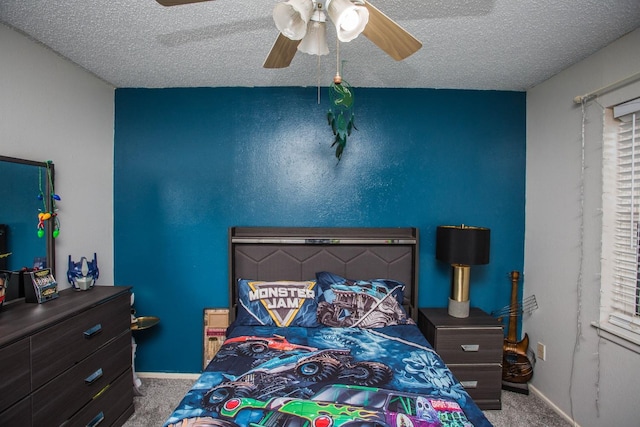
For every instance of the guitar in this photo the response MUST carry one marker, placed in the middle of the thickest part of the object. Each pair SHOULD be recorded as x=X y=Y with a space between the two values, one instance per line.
x=516 y=366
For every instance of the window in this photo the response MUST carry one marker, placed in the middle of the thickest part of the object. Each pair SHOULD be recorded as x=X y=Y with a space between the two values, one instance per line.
x=621 y=222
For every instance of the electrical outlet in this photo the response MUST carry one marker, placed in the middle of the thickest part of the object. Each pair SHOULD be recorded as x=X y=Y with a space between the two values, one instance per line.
x=542 y=351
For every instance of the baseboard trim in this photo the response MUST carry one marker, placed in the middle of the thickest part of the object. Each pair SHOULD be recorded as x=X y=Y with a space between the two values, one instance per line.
x=553 y=406
x=168 y=375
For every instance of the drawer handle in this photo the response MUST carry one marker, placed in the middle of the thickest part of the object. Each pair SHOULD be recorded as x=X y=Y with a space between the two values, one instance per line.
x=469 y=384
x=93 y=377
x=96 y=420
x=470 y=347
x=93 y=331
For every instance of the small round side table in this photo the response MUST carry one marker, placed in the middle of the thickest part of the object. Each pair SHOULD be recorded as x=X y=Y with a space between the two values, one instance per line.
x=139 y=324
x=144 y=322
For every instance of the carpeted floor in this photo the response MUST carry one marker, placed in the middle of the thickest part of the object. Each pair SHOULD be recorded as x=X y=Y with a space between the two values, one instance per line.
x=520 y=410
x=161 y=396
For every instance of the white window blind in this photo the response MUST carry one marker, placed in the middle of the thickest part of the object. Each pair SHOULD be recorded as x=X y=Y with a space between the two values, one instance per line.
x=625 y=289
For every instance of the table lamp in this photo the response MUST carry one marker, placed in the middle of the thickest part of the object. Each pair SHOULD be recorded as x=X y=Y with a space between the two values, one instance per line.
x=461 y=246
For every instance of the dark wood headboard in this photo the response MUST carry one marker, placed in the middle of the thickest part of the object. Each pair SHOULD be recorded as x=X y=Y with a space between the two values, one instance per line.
x=297 y=253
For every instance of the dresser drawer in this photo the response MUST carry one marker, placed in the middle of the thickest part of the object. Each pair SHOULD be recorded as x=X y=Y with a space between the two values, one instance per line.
x=482 y=382
x=15 y=376
x=18 y=414
x=63 y=396
x=111 y=408
x=469 y=345
x=61 y=346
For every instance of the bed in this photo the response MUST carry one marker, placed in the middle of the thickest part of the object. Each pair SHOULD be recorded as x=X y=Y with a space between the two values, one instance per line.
x=324 y=335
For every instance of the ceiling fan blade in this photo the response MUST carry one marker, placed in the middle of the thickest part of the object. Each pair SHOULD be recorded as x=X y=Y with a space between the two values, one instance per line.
x=282 y=52
x=178 y=2
x=389 y=36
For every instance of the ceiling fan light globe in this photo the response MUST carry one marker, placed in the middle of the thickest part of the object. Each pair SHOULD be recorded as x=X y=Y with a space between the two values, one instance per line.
x=315 y=42
x=349 y=19
x=291 y=17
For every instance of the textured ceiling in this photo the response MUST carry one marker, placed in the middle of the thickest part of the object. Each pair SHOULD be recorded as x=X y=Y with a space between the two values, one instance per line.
x=467 y=44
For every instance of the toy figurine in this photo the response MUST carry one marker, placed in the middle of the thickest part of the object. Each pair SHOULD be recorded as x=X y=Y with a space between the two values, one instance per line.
x=83 y=274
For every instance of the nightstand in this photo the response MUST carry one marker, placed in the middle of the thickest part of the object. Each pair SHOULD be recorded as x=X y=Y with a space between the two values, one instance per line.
x=471 y=347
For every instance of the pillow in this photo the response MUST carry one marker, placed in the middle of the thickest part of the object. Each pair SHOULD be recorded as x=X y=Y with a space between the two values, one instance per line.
x=396 y=288
x=279 y=303
x=364 y=303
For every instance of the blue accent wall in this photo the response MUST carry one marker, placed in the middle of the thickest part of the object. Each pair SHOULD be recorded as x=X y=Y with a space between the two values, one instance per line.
x=190 y=163
x=19 y=208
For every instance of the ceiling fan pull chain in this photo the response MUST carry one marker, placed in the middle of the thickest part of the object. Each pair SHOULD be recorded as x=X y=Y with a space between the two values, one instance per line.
x=318 y=76
x=337 y=79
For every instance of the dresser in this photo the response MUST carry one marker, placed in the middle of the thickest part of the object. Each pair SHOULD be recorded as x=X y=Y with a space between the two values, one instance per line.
x=67 y=361
x=471 y=347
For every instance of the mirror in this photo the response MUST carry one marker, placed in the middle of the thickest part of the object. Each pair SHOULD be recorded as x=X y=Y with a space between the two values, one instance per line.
x=25 y=190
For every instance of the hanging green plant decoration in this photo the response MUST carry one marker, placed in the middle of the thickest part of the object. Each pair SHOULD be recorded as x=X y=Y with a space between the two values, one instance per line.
x=340 y=116
x=45 y=214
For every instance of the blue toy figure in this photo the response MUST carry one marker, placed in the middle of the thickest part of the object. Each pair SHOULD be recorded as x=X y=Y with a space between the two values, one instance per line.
x=83 y=274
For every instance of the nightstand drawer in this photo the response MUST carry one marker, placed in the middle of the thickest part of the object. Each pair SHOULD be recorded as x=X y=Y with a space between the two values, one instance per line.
x=482 y=382
x=482 y=345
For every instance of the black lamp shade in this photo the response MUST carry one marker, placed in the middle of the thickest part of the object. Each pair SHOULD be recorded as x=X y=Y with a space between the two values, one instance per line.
x=463 y=244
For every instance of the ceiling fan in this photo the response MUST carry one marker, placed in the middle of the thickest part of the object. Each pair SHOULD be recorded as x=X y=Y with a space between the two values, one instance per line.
x=302 y=26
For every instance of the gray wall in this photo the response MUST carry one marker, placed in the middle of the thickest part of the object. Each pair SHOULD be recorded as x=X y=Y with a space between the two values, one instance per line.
x=562 y=243
x=52 y=109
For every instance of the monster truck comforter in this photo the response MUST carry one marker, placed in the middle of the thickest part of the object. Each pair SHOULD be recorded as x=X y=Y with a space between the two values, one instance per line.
x=326 y=377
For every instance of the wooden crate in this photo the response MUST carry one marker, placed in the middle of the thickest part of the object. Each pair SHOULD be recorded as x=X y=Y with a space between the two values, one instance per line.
x=216 y=321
